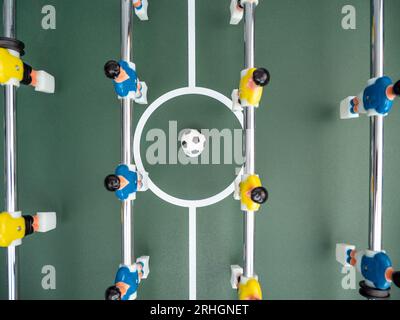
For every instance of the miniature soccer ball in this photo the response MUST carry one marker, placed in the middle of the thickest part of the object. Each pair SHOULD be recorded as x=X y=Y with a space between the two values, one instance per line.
x=193 y=143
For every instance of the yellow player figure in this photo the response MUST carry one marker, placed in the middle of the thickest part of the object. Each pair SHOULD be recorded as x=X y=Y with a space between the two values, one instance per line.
x=249 y=289
x=252 y=193
x=251 y=87
x=11 y=67
x=14 y=227
x=14 y=71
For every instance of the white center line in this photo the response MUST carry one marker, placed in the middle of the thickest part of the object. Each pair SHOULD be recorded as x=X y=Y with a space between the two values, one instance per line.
x=192 y=254
x=192 y=43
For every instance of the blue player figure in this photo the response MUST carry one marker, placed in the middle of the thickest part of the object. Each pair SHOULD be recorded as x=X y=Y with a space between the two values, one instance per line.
x=128 y=279
x=126 y=182
x=376 y=99
x=375 y=267
x=126 y=82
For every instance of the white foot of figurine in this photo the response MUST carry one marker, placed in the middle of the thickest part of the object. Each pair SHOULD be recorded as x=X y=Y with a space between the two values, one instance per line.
x=45 y=82
x=47 y=221
x=144 y=179
x=146 y=268
x=236 y=193
x=236 y=12
x=236 y=106
x=345 y=109
x=142 y=97
x=142 y=12
x=342 y=250
x=236 y=273
x=133 y=296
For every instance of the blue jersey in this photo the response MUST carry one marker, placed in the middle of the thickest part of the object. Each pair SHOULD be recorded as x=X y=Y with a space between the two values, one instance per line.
x=130 y=84
x=374 y=269
x=131 y=278
x=131 y=177
x=375 y=96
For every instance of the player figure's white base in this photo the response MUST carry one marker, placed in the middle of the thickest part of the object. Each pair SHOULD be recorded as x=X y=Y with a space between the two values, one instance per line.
x=236 y=105
x=144 y=179
x=47 y=221
x=133 y=296
x=345 y=109
x=236 y=193
x=236 y=274
x=342 y=253
x=141 y=96
x=13 y=82
x=142 y=12
x=146 y=267
x=45 y=82
x=236 y=12
x=243 y=279
x=132 y=197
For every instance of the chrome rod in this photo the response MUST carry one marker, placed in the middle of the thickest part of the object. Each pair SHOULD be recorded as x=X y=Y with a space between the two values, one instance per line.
x=376 y=130
x=126 y=132
x=249 y=145
x=10 y=152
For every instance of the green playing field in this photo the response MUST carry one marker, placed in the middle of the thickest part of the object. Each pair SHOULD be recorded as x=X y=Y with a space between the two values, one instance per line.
x=314 y=165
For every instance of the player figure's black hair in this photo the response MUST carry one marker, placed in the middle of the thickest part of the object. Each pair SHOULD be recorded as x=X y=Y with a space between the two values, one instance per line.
x=112 y=182
x=261 y=77
x=112 y=69
x=396 y=278
x=396 y=88
x=259 y=195
x=113 y=293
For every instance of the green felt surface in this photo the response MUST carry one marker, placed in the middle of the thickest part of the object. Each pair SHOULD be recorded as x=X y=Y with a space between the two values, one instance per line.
x=314 y=165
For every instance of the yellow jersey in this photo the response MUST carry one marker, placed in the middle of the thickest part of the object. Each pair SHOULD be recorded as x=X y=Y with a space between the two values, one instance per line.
x=11 y=67
x=246 y=186
x=11 y=229
x=249 y=93
x=251 y=290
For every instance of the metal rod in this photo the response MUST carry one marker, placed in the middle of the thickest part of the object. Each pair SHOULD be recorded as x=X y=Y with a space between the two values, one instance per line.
x=249 y=146
x=376 y=130
x=126 y=139
x=10 y=152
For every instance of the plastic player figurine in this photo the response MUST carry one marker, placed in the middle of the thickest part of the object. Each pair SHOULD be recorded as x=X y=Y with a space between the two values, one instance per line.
x=249 y=289
x=237 y=9
x=14 y=71
x=126 y=283
x=141 y=7
x=375 y=267
x=126 y=182
x=126 y=82
x=251 y=88
x=376 y=99
x=127 y=280
x=14 y=227
x=251 y=193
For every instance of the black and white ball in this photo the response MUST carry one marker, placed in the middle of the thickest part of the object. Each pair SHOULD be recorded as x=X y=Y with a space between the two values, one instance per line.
x=193 y=142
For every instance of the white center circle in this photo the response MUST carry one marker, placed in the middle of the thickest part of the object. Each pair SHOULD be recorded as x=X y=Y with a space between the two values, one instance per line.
x=138 y=135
